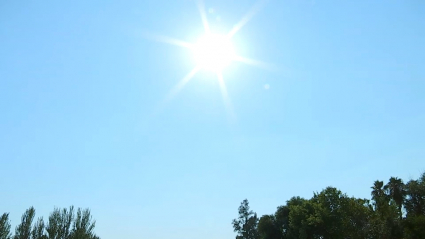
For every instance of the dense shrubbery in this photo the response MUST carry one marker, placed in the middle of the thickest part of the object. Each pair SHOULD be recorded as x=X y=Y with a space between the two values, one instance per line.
x=396 y=210
x=62 y=224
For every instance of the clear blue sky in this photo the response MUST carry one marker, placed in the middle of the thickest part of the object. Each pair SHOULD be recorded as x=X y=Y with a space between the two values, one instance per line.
x=81 y=120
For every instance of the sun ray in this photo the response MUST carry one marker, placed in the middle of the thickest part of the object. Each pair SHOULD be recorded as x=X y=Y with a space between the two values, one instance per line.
x=226 y=98
x=257 y=63
x=168 y=40
x=247 y=17
x=181 y=84
x=176 y=89
x=213 y=52
x=203 y=13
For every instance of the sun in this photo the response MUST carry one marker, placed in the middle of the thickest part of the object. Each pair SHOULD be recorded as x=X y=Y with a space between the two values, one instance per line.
x=213 y=52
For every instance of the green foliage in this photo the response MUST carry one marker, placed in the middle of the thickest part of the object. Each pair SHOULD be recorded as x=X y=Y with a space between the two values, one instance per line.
x=247 y=222
x=396 y=190
x=5 y=226
x=59 y=223
x=83 y=226
x=332 y=214
x=414 y=222
x=58 y=226
x=268 y=228
x=38 y=230
x=415 y=227
x=415 y=202
x=23 y=230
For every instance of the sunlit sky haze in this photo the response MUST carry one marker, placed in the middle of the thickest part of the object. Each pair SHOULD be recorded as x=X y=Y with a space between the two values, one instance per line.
x=92 y=113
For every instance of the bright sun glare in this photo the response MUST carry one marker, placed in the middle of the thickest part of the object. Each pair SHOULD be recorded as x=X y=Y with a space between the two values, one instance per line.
x=213 y=52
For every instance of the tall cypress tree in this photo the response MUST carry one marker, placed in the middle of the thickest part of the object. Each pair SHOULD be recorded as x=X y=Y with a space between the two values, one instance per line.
x=5 y=227
x=23 y=230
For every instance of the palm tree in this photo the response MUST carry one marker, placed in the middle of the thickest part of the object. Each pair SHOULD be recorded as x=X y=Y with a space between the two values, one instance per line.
x=377 y=191
x=396 y=190
x=378 y=194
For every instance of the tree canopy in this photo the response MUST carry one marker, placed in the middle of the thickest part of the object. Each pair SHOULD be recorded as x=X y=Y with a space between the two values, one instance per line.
x=61 y=224
x=396 y=211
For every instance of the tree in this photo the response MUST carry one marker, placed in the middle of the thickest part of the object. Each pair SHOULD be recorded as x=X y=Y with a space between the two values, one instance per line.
x=385 y=221
x=359 y=213
x=5 y=227
x=332 y=213
x=59 y=223
x=247 y=223
x=302 y=220
x=83 y=226
x=414 y=227
x=268 y=228
x=57 y=227
x=396 y=190
x=38 y=230
x=23 y=230
x=415 y=201
x=282 y=219
x=414 y=222
x=378 y=195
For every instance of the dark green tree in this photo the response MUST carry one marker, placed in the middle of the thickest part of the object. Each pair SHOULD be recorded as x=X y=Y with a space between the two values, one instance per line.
x=5 y=226
x=414 y=222
x=38 y=230
x=282 y=216
x=23 y=230
x=282 y=219
x=395 y=188
x=332 y=214
x=246 y=225
x=358 y=213
x=414 y=227
x=59 y=224
x=268 y=228
x=378 y=195
x=303 y=220
x=415 y=202
x=385 y=221
x=83 y=226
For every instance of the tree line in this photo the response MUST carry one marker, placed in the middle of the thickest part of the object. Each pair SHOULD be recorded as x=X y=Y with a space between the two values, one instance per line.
x=396 y=211
x=62 y=224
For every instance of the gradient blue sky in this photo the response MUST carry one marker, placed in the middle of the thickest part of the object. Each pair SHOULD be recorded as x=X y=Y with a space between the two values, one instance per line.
x=82 y=123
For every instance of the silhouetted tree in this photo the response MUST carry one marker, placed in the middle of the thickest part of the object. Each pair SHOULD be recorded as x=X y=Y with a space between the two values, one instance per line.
x=332 y=214
x=247 y=222
x=59 y=223
x=378 y=195
x=38 y=230
x=5 y=226
x=268 y=228
x=23 y=230
x=58 y=226
x=414 y=223
x=397 y=192
x=83 y=226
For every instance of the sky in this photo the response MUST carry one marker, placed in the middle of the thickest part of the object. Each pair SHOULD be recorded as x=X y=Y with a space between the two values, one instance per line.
x=87 y=118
